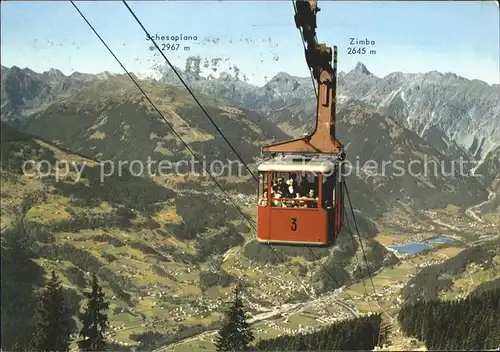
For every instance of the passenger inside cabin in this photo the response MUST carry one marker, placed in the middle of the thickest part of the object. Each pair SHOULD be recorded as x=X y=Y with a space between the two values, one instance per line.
x=292 y=186
x=301 y=202
x=298 y=191
x=304 y=185
x=263 y=198
x=279 y=187
x=315 y=183
x=313 y=201
x=276 y=202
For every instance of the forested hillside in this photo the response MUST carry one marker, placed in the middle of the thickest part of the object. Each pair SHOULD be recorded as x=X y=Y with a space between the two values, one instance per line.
x=433 y=280
x=356 y=334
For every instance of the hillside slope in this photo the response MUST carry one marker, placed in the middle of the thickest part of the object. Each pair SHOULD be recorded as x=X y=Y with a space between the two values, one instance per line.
x=481 y=261
x=110 y=120
x=394 y=165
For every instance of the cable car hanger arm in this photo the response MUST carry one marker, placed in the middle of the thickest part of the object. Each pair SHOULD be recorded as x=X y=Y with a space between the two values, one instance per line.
x=319 y=58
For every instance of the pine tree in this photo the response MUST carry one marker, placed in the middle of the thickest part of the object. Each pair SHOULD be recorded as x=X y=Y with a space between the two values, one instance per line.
x=94 y=320
x=20 y=275
x=54 y=325
x=17 y=347
x=235 y=334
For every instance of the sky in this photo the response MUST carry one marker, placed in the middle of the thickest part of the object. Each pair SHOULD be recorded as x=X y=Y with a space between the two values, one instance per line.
x=259 y=37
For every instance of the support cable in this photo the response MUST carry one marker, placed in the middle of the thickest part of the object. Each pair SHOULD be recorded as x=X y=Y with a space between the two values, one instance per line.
x=208 y=116
x=189 y=90
x=356 y=254
x=359 y=236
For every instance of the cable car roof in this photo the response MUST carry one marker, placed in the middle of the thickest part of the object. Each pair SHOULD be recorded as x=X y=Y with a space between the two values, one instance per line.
x=290 y=163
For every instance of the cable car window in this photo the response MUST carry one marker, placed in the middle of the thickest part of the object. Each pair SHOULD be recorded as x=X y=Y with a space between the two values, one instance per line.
x=294 y=190
x=263 y=192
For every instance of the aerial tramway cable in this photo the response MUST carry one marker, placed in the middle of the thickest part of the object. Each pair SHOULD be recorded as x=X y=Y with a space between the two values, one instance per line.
x=182 y=141
x=359 y=236
x=156 y=109
x=222 y=134
x=187 y=146
x=189 y=90
x=227 y=141
x=215 y=125
x=355 y=253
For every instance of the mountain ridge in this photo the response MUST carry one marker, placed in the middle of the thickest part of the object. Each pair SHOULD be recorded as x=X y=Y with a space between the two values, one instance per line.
x=110 y=120
x=104 y=95
x=480 y=134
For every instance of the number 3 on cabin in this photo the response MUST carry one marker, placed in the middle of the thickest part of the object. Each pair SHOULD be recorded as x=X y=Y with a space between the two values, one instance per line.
x=294 y=224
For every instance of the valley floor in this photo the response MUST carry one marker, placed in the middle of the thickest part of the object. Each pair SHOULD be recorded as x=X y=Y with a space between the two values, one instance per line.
x=157 y=270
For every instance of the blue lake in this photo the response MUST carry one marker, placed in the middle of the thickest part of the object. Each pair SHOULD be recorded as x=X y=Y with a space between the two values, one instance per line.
x=411 y=247
x=441 y=240
x=420 y=247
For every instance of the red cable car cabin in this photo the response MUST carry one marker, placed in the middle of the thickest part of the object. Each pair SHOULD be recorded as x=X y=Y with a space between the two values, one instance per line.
x=314 y=214
x=300 y=202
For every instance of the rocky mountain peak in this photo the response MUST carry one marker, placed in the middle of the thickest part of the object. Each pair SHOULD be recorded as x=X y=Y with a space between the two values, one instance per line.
x=54 y=73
